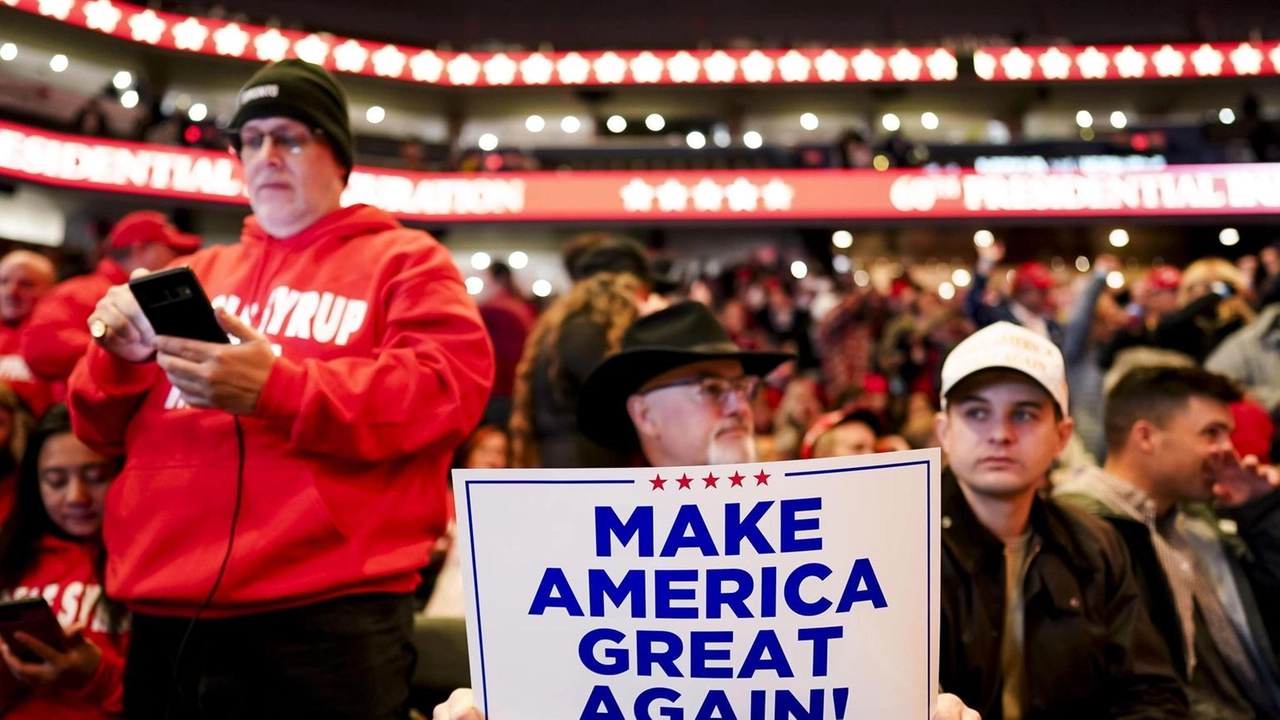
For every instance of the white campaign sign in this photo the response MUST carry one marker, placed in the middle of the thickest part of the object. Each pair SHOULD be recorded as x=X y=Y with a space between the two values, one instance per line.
x=803 y=590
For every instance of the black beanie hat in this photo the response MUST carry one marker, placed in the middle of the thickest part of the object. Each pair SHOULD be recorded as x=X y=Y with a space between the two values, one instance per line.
x=300 y=91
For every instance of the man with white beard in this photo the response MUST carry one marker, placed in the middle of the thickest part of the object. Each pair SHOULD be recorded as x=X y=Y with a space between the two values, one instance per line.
x=678 y=393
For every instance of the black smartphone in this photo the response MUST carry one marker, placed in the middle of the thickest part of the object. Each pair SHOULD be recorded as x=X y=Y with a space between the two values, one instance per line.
x=34 y=617
x=177 y=306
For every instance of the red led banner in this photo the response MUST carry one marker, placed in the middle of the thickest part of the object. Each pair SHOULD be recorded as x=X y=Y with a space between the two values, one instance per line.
x=654 y=196
x=1128 y=62
x=401 y=62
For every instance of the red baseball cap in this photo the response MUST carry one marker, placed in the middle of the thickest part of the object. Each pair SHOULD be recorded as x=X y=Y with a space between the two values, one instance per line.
x=874 y=383
x=1254 y=430
x=147 y=226
x=1165 y=277
x=1033 y=275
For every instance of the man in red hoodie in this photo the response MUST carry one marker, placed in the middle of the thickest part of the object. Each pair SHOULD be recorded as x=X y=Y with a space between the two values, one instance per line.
x=58 y=335
x=25 y=277
x=321 y=437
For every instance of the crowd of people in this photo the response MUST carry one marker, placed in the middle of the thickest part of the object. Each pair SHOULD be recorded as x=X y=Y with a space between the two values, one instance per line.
x=248 y=529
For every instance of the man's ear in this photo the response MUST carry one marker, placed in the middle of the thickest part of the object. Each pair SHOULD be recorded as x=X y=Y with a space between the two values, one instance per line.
x=941 y=423
x=1143 y=436
x=1066 y=426
x=638 y=409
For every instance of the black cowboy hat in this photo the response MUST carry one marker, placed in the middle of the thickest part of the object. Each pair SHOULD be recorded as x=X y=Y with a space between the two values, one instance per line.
x=682 y=334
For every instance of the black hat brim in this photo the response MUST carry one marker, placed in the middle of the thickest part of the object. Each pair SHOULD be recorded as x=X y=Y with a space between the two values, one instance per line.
x=602 y=400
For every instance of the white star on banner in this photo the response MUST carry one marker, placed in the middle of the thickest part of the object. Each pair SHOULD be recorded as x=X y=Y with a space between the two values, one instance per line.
x=231 y=41
x=100 y=15
x=500 y=70
x=683 y=67
x=868 y=66
x=1092 y=63
x=707 y=195
x=905 y=65
x=943 y=65
x=1207 y=60
x=1168 y=61
x=1247 y=59
x=312 y=48
x=573 y=69
x=190 y=34
x=1055 y=64
x=984 y=64
x=637 y=196
x=536 y=69
x=720 y=68
x=611 y=68
x=777 y=195
x=426 y=66
x=832 y=66
x=794 y=67
x=389 y=61
x=647 y=68
x=59 y=9
x=463 y=69
x=757 y=67
x=1275 y=58
x=271 y=45
x=147 y=27
x=10 y=3
x=350 y=56
x=1131 y=63
x=673 y=196
x=742 y=196
x=1017 y=64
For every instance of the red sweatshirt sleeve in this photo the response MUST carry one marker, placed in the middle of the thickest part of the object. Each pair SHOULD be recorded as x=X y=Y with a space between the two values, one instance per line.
x=103 y=393
x=55 y=337
x=427 y=384
x=106 y=687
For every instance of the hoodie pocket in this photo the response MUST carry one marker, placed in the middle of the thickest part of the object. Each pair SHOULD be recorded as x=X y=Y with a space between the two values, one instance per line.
x=167 y=531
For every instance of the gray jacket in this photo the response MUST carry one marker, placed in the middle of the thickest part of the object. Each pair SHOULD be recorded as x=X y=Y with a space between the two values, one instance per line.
x=1251 y=355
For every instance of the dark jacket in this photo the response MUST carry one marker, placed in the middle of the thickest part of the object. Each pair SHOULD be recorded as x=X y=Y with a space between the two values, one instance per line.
x=1091 y=651
x=983 y=314
x=1253 y=551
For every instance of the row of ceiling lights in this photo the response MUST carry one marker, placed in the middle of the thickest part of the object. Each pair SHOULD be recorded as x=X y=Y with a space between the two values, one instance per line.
x=655 y=122
x=517 y=260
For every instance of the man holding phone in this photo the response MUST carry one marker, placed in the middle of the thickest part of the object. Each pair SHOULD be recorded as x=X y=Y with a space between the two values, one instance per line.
x=320 y=436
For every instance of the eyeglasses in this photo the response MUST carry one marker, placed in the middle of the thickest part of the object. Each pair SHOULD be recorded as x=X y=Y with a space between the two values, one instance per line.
x=248 y=144
x=717 y=389
x=56 y=478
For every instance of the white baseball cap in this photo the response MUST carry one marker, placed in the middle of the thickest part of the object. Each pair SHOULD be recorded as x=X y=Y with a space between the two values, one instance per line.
x=1007 y=346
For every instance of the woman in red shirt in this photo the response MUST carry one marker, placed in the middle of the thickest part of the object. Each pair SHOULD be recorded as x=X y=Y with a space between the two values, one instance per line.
x=51 y=547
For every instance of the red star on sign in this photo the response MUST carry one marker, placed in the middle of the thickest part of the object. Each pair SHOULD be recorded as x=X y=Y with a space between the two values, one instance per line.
x=710 y=480
x=658 y=483
x=684 y=481
x=761 y=479
x=736 y=478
